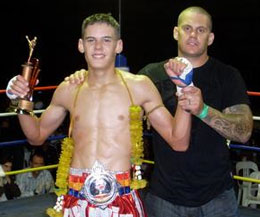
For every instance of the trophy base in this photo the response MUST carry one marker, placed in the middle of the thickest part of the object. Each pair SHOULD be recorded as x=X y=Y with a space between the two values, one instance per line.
x=23 y=112
x=24 y=107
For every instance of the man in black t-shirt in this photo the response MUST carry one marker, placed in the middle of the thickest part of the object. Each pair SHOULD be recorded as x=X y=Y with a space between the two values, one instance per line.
x=198 y=182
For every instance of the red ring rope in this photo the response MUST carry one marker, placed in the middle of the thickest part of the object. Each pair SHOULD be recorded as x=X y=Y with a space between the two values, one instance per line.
x=250 y=93
x=38 y=88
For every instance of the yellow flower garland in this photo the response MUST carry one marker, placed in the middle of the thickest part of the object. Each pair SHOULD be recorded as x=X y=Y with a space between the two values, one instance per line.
x=136 y=132
x=53 y=213
x=63 y=172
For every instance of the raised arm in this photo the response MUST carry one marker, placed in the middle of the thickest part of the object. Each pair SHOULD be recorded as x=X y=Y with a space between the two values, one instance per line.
x=234 y=123
x=175 y=130
x=37 y=129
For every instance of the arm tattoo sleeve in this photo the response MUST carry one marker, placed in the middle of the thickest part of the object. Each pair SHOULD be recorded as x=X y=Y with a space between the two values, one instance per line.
x=234 y=123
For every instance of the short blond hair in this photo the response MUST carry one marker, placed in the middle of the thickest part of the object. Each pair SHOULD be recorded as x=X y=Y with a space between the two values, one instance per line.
x=101 y=18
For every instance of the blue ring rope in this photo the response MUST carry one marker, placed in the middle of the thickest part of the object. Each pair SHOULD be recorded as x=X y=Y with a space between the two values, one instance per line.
x=24 y=141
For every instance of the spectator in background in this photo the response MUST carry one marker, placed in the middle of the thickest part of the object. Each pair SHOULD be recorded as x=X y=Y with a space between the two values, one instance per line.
x=52 y=150
x=37 y=182
x=8 y=188
x=9 y=130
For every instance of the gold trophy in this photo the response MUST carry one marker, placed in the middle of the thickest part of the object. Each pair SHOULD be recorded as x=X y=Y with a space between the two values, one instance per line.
x=30 y=71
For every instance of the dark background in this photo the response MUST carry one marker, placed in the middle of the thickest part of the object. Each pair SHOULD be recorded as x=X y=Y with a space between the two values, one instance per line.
x=146 y=32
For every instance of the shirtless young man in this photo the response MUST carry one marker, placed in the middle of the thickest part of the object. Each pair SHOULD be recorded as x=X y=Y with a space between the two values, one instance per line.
x=99 y=111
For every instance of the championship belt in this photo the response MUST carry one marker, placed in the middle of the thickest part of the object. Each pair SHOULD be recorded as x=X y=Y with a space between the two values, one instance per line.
x=100 y=186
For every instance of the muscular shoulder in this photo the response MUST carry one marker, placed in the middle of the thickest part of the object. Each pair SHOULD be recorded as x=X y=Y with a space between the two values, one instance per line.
x=64 y=93
x=136 y=80
x=66 y=87
x=141 y=87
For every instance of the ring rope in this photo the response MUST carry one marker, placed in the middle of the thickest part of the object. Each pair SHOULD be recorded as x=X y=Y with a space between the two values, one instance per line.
x=7 y=114
x=37 y=88
x=31 y=169
x=244 y=147
x=247 y=179
x=23 y=141
x=253 y=93
x=250 y=93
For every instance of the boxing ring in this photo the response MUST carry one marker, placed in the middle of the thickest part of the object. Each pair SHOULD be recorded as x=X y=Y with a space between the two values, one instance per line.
x=36 y=206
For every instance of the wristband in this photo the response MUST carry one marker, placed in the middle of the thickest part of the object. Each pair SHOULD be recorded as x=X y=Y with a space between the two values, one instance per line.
x=8 y=94
x=179 y=89
x=204 y=112
x=186 y=76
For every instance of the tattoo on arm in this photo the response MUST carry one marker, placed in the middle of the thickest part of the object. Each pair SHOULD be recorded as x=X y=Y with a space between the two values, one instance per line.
x=234 y=123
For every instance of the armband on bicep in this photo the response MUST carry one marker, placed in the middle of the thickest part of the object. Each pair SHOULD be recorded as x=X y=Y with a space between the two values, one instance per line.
x=146 y=117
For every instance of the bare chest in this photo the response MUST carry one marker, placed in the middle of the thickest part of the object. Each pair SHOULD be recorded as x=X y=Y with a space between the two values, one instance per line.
x=106 y=107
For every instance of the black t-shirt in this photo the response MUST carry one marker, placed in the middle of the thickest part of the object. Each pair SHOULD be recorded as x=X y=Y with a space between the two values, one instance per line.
x=194 y=177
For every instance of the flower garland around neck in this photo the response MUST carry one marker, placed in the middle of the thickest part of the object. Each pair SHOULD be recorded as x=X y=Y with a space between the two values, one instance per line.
x=136 y=134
